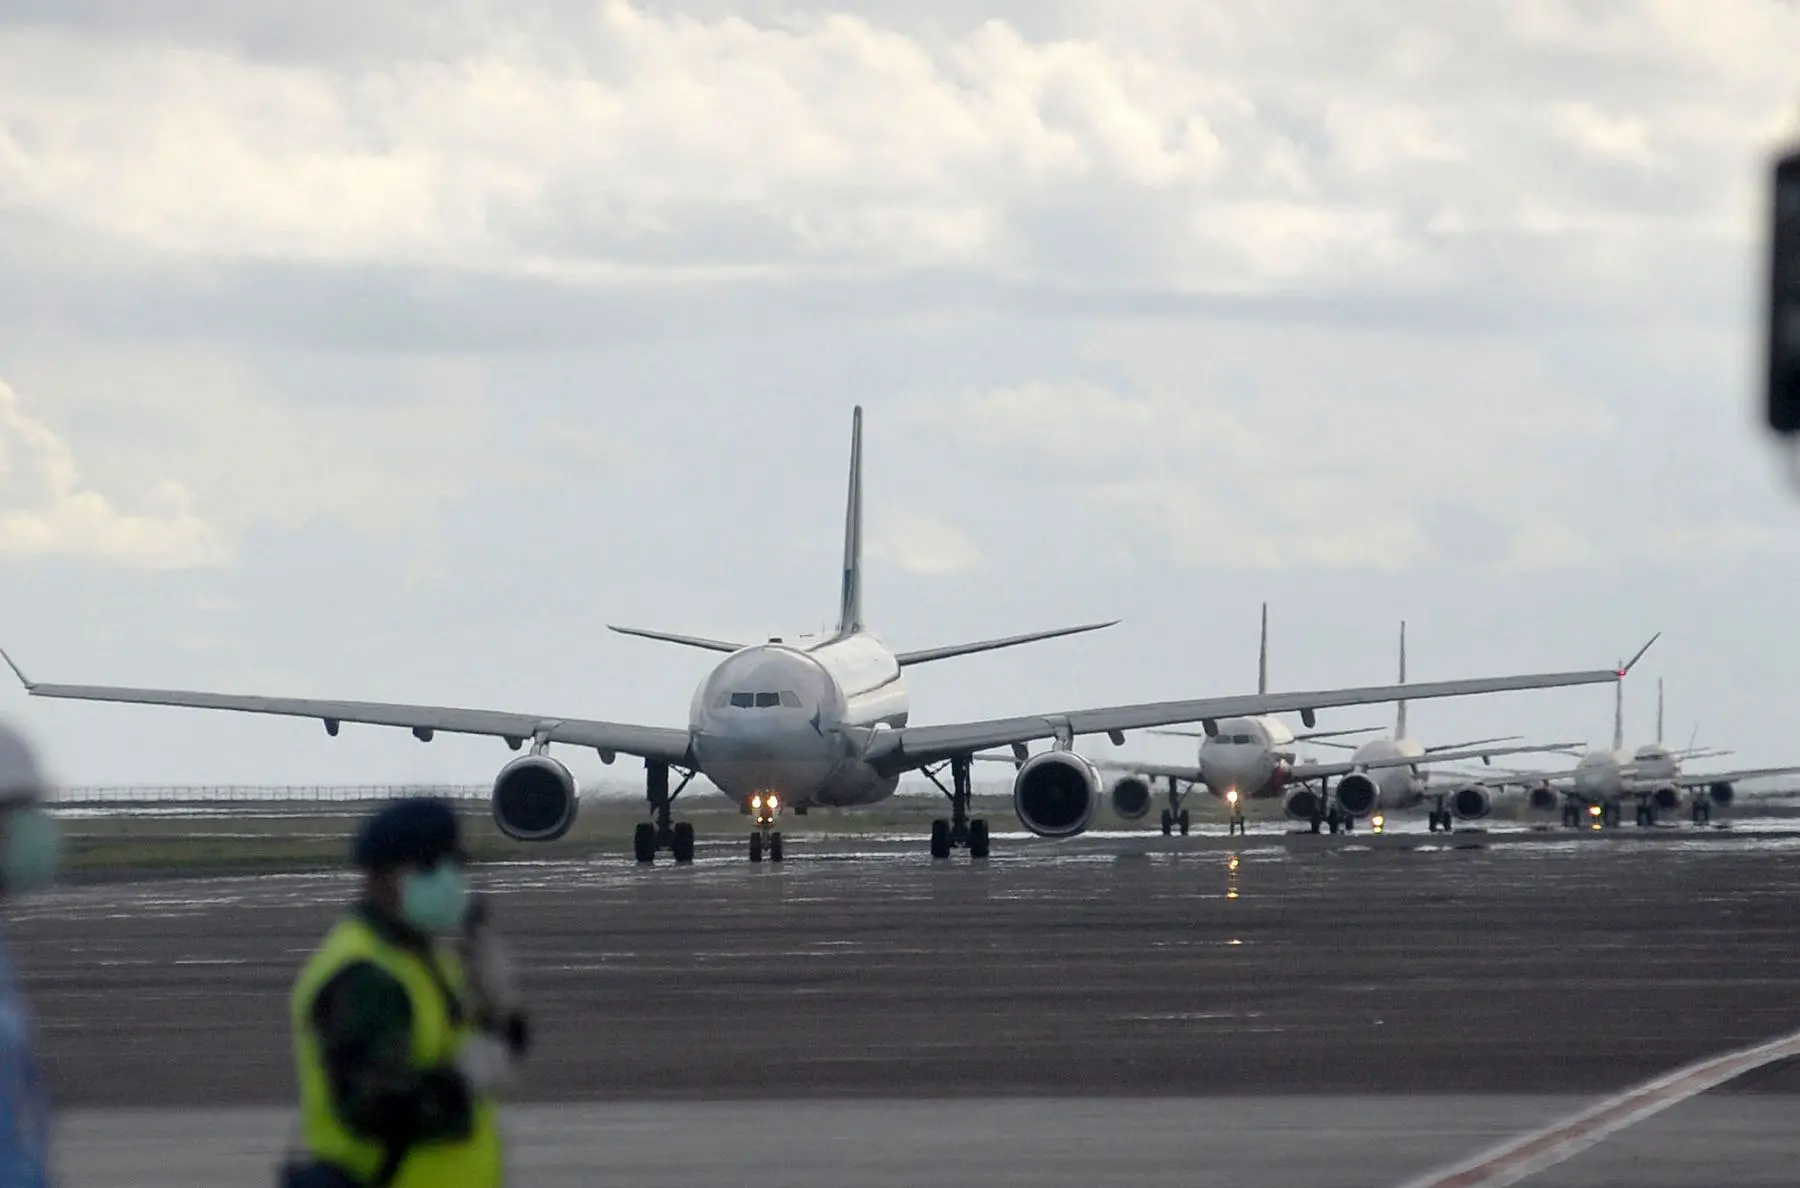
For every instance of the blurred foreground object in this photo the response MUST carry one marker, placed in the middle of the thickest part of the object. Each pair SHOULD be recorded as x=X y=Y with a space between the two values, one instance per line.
x=1784 y=297
x=29 y=848
x=399 y=1042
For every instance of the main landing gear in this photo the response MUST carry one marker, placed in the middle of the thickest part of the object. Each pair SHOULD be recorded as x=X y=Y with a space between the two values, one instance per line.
x=767 y=838
x=664 y=833
x=1702 y=812
x=1440 y=818
x=959 y=831
x=1646 y=814
x=1175 y=816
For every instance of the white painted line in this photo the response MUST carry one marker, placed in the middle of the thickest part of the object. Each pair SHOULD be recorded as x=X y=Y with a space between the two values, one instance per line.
x=1518 y=1158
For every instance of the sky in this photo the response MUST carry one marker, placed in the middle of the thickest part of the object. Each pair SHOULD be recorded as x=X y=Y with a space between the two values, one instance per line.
x=392 y=349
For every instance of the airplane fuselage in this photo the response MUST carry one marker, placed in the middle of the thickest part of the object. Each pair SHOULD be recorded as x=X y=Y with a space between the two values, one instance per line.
x=1396 y=787
x=787 y=718
x=1251 y=756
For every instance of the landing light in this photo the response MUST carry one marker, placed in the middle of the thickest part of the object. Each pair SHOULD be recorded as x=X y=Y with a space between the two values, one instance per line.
x=773 y=802
x=1231 y=796
x=1593 y=810
x=1378 y=822
x=756 y=801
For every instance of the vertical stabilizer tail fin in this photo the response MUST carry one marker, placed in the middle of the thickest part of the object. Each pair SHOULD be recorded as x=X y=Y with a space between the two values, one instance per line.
x=1262 y=655
x=1619 y=716
x=1400 y=706
x=850 y=619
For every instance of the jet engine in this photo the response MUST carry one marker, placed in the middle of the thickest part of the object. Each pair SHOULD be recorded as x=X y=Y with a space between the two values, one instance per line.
x=1721 y=792
x=1544 y=798
x=1357 y=794
x=1667 y=798
x=1470 y=802
x=1056 y=793
x=1302 y=804
x=534 y=799
x=1131 y=797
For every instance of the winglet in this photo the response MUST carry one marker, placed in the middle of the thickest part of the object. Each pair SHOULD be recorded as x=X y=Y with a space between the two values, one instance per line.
x=1625 y=668
x=18 y=672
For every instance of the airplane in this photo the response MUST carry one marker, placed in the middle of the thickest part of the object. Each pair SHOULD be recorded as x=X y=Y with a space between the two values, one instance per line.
x=811 y=721
x=1602 y=780
x=1249 y=759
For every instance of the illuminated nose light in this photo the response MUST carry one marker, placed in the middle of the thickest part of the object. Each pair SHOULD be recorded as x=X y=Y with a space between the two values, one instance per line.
x=773 y=802
x=756 y=801
x=1593 y=810
x=1378 y=822
x=1231 y=797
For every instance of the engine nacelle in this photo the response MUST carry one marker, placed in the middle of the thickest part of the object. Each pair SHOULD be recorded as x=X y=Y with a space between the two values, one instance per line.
x=1056 y=793
x=1470 y=802
x=1357 y=794
x=1667 y=798
x=1721 y=792
x=1131 y=797
x=535 y=799
x=1544 y=799
x=1303 y=804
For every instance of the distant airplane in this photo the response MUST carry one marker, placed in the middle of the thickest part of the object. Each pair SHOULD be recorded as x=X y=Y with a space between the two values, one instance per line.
x=1251 y=758
x=1595 y=790
x=815 y=720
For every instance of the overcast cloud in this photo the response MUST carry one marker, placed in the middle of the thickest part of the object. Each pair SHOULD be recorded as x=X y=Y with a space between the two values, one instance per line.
x=392 y=349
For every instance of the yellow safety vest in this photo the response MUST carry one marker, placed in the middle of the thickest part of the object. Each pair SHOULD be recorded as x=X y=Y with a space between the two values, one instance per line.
x=473 y=1162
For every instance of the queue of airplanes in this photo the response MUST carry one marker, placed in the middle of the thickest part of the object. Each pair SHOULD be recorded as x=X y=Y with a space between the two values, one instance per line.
x=792 y=723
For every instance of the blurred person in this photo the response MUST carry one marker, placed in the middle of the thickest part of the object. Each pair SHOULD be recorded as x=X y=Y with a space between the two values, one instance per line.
x=406 y=1020
x=30 y=850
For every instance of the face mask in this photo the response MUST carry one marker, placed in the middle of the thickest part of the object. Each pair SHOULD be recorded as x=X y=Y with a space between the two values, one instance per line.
x=435 y=900
x=32 y=850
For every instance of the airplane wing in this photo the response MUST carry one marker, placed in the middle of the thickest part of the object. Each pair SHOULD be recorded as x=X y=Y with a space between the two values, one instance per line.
x=1313 y=771
x=944 y=652
x=1731 y=777
x=609 y=738
x=903 y=748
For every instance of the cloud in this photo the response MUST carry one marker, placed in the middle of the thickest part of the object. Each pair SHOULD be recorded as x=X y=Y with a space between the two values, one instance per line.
x=922 y=544
x=1192 y=148
x=46 y=510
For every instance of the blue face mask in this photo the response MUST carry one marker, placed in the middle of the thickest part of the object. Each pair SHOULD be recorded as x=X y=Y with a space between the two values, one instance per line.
x=31 y=851
x=436 y=900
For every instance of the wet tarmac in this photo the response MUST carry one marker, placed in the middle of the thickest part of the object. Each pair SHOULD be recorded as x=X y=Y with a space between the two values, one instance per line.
x=1406 y=999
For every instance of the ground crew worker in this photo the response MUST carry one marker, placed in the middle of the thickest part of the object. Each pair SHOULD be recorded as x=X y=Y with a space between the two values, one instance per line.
x=30 y=847
x=405 y=1023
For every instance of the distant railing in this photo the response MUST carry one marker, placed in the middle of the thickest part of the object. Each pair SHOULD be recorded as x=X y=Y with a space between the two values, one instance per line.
x=101 y=795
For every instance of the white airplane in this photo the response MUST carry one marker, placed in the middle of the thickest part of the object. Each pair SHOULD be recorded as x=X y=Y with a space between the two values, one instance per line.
x=1250 y=758
x=804 y=722
x=1595 y=790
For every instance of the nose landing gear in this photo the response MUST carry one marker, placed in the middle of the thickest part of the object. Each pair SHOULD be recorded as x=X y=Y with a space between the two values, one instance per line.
x=767 y=838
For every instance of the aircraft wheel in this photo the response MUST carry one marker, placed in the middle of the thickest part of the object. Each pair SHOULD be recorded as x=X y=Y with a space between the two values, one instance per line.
x=1183 y=821
x=774 y=847
x=1168 y=822
x=756 y=847
x=684 y=842
x=978 y=838
x=643 y=842
x=940 y=838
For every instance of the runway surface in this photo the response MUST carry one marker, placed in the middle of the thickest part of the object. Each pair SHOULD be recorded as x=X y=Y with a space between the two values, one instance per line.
x=1274 y=997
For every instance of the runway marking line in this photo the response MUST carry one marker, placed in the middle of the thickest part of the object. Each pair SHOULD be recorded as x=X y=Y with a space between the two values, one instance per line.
x=1529 y=1154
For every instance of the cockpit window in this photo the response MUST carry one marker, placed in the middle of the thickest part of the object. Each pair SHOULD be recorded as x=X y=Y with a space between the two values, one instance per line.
x=759 y=700
x=1242 y=739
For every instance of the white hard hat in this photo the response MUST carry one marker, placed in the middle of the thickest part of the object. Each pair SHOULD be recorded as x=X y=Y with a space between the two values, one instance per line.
x=20 y=776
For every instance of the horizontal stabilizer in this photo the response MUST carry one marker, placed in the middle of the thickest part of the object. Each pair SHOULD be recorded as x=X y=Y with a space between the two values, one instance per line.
x=686 y=641
x=926 y=655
